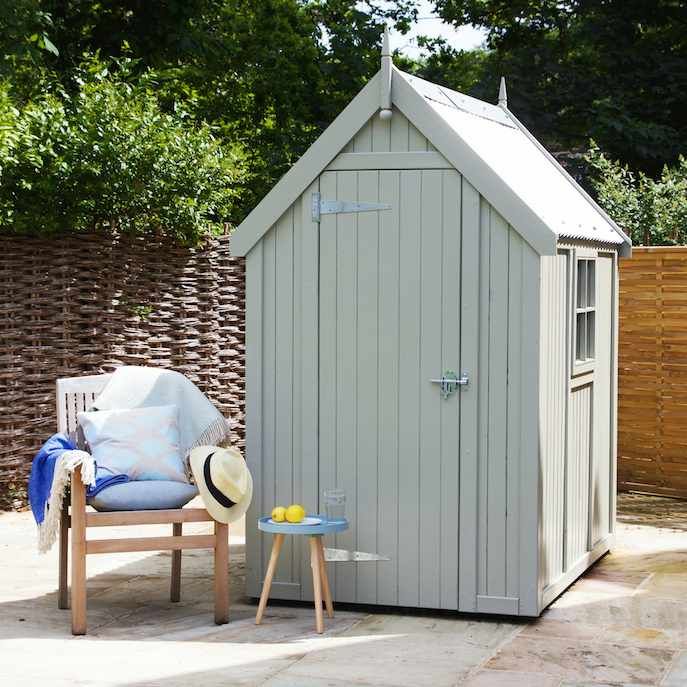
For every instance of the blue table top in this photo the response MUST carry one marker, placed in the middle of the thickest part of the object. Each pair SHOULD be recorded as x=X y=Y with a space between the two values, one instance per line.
x=326 y=526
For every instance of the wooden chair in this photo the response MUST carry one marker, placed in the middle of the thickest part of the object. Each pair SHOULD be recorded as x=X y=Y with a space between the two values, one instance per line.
x=73 y=396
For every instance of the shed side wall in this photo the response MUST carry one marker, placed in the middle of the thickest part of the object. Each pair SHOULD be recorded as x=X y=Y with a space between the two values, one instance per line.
x=577 y=422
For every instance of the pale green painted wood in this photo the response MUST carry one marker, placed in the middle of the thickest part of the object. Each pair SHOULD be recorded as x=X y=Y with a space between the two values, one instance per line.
x=498 y=398
x=368 y=389
x=284 y=381
x=429 y=474
x=515 y=334
x=346 y=383
x=398 y=131
x=327 y=350
x=409 y=388
x=362 y=141
x=306 y=358
x=388 y=381
x=603 y=383
x=448 y=141
x=381 y=134
x=482 y=381
x=389 y=160
x=359 y=309
x=269 y=363
x=530 y=516
x=554 y=366
x=308 y=168
x=416 y=141
x=449 y=490
x=578 y=474
x=254 y=435
x=469 y=410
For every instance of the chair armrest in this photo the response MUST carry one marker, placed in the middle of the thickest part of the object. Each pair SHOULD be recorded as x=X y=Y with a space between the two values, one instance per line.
x=78 y=490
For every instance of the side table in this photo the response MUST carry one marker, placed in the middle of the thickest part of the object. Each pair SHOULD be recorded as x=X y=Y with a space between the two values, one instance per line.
x=320 y=581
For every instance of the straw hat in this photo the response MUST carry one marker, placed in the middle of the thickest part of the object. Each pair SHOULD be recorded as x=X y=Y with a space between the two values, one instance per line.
x=224 y=482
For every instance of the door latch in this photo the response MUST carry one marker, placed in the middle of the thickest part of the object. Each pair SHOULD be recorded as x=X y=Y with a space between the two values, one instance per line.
x=450 y=382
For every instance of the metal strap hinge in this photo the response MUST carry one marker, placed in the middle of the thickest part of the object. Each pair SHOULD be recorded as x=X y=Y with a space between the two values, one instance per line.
x=332 y=207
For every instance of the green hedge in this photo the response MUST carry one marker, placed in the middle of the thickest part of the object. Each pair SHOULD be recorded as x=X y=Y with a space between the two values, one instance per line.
x=652 y=211
x=106 y=155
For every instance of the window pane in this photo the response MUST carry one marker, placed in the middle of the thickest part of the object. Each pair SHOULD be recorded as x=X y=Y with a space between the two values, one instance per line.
x=590 y=284
x=581 y=336
x=590 y=334
x=581 y=283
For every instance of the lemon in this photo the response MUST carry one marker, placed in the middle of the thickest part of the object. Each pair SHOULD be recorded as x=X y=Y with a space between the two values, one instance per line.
x=279 y=514
x=295 y=513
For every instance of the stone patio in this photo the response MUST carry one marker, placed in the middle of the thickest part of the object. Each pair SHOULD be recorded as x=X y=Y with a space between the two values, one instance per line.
x=623 y=623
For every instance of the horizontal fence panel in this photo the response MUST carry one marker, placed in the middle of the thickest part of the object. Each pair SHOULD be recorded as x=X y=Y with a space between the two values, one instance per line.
x=83 y=304
x=652 y=380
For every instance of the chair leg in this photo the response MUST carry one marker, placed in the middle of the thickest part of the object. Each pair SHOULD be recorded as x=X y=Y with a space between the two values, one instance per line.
x=221 y=573
x=175 y=587
x=267 y=584
x=63 y=588
x=78 y=515
x=316 y=583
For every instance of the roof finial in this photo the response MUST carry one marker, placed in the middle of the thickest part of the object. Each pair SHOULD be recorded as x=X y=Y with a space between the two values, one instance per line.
x=385 y=83
x=503 y=95
x=385 y=42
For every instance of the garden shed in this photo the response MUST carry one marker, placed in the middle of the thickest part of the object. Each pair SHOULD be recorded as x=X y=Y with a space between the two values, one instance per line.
x=431 y=325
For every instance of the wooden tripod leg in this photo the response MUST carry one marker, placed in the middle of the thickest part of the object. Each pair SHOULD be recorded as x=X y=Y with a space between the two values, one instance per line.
x=316 y=582
x=271 y=567
x=63 y=587
x=175 y=585
x=221 y=573
x=325 y=580
x=78 y=514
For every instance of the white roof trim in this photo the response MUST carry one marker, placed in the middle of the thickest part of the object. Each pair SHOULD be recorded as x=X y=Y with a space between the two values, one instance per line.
x=308 y=168
x=454 y=148
x=626 y=246
x=446 y=139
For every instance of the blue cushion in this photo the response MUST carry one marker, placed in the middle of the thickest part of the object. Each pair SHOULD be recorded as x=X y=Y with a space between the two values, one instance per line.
x=144 y=495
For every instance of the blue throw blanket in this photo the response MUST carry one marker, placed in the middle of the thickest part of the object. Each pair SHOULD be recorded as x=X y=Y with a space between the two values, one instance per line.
x=43 y=470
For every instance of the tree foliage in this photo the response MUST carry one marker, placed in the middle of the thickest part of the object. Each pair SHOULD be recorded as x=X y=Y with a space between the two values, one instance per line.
x=268 y=76
x=104 y=154
x=652 y=211
x=614 y=70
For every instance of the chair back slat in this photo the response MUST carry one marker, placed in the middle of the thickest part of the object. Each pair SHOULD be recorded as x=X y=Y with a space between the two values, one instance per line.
x=74 y=395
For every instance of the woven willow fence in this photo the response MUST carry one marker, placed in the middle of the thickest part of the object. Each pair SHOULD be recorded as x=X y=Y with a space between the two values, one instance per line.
x=652 y=381
x=85 y=304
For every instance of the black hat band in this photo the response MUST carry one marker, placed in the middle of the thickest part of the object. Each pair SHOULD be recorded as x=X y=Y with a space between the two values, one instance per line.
x=214 y=491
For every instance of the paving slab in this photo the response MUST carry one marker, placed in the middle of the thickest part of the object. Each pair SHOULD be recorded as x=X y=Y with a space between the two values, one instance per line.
x=623 y=623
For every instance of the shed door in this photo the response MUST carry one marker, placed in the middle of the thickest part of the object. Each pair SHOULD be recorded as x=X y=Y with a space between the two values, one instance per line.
x=389 y=321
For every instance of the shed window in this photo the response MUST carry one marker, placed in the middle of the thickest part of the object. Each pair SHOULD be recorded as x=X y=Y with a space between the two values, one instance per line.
x=585 y=310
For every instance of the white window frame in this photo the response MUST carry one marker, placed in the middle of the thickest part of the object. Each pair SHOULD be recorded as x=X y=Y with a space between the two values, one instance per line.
x=583 y=310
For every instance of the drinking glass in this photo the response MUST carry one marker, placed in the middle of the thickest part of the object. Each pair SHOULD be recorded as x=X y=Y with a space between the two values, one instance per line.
x=335 y=504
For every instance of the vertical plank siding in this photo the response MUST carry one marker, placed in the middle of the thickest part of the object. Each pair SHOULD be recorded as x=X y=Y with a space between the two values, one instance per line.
x=577 y=423
x=480 y=502
x=281 y=332
x=652 y=395
x=554 y=366
x=577 y=474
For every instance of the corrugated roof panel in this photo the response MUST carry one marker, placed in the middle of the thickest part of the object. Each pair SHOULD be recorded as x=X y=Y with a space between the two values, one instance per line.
x=516 y=159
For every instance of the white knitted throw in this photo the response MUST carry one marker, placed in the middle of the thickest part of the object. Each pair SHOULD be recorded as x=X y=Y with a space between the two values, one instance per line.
x=66 y=464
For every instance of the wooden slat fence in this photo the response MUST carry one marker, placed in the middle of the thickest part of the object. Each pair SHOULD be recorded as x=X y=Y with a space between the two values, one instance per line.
x=82 y=304
x=652 y=404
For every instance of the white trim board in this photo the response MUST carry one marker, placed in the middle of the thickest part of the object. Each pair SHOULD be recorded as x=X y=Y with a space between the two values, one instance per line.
x=309 y=167
x=406 y=160
x=452 y=150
